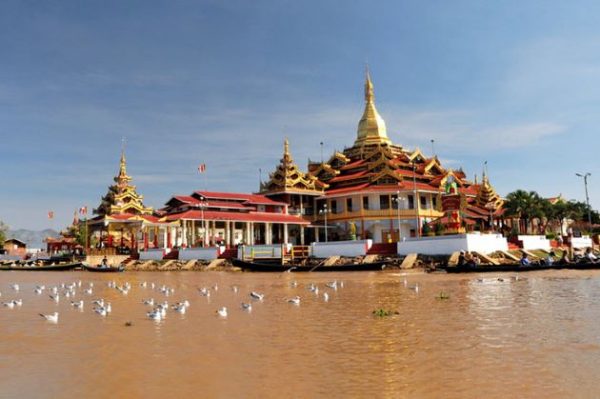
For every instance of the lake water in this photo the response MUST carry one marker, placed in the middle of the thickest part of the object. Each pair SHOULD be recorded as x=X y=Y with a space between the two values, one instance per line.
x=535 y=336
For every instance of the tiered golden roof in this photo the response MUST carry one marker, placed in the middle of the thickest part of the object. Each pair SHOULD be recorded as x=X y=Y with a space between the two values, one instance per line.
x=122 y=197
x=487 y=196
x=287 y=177
x=371 y=127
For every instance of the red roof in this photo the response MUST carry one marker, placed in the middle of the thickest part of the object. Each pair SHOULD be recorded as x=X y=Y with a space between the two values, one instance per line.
x=350 y=176
x=238 y=216
x=257 y=199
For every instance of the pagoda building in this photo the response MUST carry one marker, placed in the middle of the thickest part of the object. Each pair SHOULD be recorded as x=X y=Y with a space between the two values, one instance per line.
x=377 y=189
x=290 y=185
x=207 y=218
x=123 y=223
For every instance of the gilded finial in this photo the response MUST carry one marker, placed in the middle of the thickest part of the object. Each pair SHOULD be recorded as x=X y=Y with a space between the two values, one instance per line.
x=371 y=127
x=369 y=91
x=286 y=147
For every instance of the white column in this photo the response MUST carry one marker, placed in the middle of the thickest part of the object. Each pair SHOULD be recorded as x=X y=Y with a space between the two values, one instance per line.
x=285 y=233
x=252 y=240
x=301 y=234
x=227 y=232
x=268 y=234
x=184 y=233
x=164 y=237
x=193 y=232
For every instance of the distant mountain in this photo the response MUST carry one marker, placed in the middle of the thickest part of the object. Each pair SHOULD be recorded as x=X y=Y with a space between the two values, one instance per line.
x=33 y=239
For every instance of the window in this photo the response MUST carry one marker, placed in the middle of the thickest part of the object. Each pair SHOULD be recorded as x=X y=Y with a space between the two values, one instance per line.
x=423 y=201
x=334 y=206
x=384 y=202
x=411 y=202
x=348 y=204
x=434 y=202
x=365 y=203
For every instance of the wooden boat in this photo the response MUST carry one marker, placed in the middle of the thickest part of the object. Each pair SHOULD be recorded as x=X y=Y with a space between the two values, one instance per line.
x=98 y=269
x=516 y=267
x=266 y=266
x=34 y=268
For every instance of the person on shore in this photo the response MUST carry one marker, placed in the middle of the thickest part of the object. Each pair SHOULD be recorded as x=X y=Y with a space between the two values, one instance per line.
x=525 y=260
x=461 y=259
x=589 y=256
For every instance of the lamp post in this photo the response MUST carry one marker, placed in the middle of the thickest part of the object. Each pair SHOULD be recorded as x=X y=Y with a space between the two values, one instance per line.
x=416 y=200
x=398 y=200
x=324 y=212
x=587 y=197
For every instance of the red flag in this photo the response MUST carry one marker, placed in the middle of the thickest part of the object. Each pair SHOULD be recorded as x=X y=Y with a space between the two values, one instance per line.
x=202 y=168
x=51 y=215
x=83 y=210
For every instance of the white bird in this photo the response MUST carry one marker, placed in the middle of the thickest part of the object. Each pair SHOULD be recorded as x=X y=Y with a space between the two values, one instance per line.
x=37 y=291
x=108 y=307
x=235 y=288
x=332 y=285
x=15 y=287
x=55 y=297
x=143 y=285
x=325 y=297
x=88 y=291
x=154 y=315
x=149 y=302
x=54 y=290
x=293 y=284
x=180 y=308
x=257 y=295
x=247 y=306
x=222 y=312
x=78 y=304
x=99 y=302
x=52 y=318
x=295 y=300
x=215 y=287
x=204 y=291
x=40 y=287
x=101 y=311
x=9 y=305
x=18 y=302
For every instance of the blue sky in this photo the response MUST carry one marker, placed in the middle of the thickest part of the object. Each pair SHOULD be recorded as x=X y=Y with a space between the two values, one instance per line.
x=223 y=82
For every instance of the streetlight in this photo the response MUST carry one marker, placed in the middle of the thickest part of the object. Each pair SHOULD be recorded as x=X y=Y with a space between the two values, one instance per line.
x=416 y=200
x=324 y=212
x=398 y=200
x=587 y=197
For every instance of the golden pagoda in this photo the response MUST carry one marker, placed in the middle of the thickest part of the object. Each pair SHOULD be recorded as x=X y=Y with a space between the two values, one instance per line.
x=122 y=197
x=486 y=195
x=371 y=127
x=287 y=177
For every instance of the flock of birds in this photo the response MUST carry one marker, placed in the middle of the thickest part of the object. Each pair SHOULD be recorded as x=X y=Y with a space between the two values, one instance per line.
x=156 y=309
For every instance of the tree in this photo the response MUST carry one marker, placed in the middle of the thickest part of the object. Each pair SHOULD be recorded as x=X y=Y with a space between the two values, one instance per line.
x=3 y=231
x=526 y=206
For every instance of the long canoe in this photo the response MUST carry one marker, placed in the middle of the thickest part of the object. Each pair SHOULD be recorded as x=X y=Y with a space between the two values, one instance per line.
x=516 y=267
x=278 y=267
x=97 y=269
x=55 y=268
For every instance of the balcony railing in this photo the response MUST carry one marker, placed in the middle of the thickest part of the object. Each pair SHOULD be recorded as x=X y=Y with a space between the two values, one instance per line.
x=381 y=213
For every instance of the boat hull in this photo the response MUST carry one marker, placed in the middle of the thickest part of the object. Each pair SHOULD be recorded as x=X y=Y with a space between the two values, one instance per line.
x=48 y=268
x=96 y=269
x=519 y=268
x=278 y=267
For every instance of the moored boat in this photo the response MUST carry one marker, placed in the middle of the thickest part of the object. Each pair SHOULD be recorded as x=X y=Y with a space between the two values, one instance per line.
x=98 y=269
x=266 y=266
x=34 y=268
x=516 y=267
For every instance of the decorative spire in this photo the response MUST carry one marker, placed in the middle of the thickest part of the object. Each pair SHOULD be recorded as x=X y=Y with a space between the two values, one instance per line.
x=371 y=128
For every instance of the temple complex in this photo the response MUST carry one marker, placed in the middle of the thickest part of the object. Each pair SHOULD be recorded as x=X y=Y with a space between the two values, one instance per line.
x=377 y=189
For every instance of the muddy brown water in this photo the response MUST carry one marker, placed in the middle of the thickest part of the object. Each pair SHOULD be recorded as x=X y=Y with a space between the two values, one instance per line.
x=535 y=336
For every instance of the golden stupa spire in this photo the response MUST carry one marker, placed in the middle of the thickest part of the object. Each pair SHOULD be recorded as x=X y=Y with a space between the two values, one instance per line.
x=371 y=128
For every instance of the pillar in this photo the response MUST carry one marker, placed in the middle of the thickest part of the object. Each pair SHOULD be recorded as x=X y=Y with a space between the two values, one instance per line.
x=184 y=234
x=268 y=234
x=301 y=234
x=227 y=232
x=285 y=233
x=193 y=243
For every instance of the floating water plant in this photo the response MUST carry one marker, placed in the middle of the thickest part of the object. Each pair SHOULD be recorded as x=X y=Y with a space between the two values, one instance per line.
x=443 y=296
x=384 y=313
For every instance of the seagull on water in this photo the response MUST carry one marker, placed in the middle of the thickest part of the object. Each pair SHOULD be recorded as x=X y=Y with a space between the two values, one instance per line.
x=256 y=295
x=325 y=297
x=222 y=312
x=55 y=297
x=204 y=291
x=180 y=308
x=295 y=300
x=52 y=318
x=101 y=311
x=77 y=304
x=154 y=315
x=149 y=302
x=332 y=285
x=9 y=305
x=15 y=287
x=99 y=302
x=247 y=306
x=235 y=289
x=37 y=291
x=88 y=291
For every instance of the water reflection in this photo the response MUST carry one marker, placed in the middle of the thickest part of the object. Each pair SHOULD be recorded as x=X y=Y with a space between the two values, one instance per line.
x=496 y=336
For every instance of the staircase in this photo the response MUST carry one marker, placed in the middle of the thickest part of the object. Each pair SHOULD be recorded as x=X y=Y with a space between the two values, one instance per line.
x=383 y=249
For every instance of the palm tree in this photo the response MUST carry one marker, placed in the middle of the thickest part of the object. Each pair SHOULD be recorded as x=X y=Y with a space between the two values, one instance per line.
x=526 y=206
